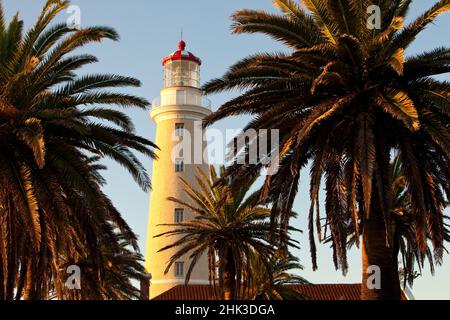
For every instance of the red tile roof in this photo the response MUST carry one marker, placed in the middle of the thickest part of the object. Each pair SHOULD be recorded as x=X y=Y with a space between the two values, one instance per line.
x=310 y=292
x=330 y=291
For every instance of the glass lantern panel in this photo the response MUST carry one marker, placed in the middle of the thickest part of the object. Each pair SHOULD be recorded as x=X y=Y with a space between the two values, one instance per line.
x=181 y=73
x=184 y=74
x=176 y=73
x=168 y=75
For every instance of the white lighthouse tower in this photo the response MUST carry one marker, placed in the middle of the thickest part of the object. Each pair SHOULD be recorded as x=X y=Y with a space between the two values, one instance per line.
x=178 y=113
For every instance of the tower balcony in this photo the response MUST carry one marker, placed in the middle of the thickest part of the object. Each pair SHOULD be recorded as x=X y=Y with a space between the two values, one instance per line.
x=180 y=102
x=181 y=98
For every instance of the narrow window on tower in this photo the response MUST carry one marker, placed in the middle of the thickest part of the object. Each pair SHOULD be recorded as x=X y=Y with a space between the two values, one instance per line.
x=179 y=215
x=179 y=165
x=179 y=269
x=179 y=129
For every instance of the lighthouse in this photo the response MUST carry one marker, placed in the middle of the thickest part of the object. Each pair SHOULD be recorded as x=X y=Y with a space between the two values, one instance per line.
x=178 y=113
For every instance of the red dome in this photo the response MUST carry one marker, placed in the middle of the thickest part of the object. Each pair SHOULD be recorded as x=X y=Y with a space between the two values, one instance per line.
x=181 y=54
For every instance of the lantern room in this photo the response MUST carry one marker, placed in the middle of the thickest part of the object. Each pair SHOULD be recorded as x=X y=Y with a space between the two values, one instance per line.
x=181 y=68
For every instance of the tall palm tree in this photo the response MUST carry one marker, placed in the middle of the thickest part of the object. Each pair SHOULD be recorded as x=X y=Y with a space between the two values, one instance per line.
x=53 y=132
x=343 y=98
x=228 y=228
x=276 y=283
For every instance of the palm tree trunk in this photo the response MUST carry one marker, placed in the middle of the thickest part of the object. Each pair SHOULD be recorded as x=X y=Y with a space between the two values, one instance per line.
x=380 y=279
x=229 y=278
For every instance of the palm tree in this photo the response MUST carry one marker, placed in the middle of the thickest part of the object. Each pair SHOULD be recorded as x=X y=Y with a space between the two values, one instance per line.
x=121 y=267
x=276 y=283
x=228 y=228
x=405 y=243
x=53 y=132
x=343 y=98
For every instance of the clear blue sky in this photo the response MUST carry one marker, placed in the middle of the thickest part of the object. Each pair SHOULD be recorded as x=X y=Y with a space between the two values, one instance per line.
x=149 y=31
